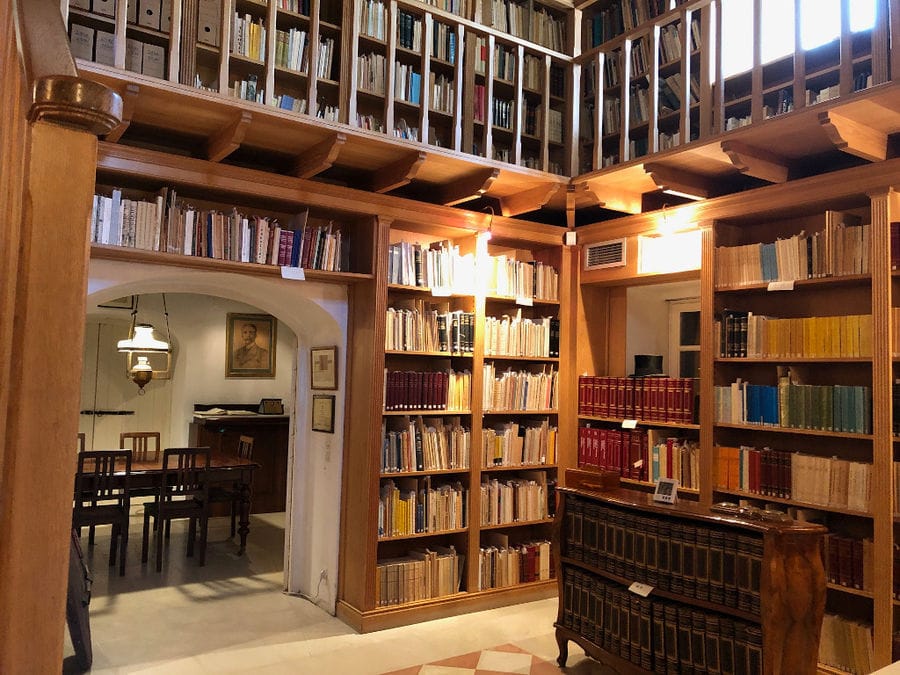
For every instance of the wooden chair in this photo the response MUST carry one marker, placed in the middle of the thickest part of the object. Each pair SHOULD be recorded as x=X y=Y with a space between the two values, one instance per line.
x=183 y=493
x=102 y=497
x=81 y=441
x=144 y=444
x=232 y=493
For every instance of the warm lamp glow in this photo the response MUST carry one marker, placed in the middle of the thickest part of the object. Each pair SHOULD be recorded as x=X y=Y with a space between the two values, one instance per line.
x=143 y=341
x=672 y=253
x=141 y=373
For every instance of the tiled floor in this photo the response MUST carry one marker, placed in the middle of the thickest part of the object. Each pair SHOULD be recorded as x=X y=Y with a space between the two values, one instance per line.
x=232 y=617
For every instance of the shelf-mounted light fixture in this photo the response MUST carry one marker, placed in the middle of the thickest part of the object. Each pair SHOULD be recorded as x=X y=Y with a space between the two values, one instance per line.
x=678 y=182
x=140 y=343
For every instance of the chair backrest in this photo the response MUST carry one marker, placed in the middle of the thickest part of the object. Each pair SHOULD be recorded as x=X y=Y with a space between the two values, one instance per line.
x=103 y=475
x=184 y=473
x=144 y=444
x=245 y=447
x=81 y=441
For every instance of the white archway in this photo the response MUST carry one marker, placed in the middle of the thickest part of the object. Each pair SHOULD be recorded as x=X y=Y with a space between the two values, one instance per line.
x=317 y=314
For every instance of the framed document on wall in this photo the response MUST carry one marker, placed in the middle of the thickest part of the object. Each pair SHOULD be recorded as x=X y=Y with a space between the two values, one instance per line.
x=323 y=413
x=323 y=368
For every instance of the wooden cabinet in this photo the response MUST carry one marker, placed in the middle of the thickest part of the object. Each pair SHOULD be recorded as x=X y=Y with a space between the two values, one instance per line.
x=719 y=592
x=270 y=435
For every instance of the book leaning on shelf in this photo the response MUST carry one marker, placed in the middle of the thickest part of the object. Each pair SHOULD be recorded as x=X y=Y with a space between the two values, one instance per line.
x=501 y=565
x=527 y=443
x=424 y=573
x=424 y=444
x=413 y=506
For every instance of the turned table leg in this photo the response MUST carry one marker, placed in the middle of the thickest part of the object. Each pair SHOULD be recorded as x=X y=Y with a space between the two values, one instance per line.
x=563 y=643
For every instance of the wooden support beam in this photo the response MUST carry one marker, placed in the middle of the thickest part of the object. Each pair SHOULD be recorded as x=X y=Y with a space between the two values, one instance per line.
x=229 y=139
x=529 y=200
x=756 y=162
x=398 y=174
x=472 y=186
x=320 y=157
x=853 y=137
x=129 y=101
x=679 y=182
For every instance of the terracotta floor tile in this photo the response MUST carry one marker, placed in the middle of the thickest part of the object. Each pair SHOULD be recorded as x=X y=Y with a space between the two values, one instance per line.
x=469 y=660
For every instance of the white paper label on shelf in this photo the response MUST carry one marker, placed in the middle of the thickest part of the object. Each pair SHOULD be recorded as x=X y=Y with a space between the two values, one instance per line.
x=440 y=292
x=292 y=273
x=629 y=424
x=781 y=285
x=525 y=302
x=640 y=589
x=638 y=464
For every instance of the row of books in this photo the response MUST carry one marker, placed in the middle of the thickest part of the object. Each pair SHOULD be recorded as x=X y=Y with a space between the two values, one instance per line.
x=530 y=22
x=461 y=8
x=404 y=130
x=838 y=250
x=370 y=122
x=288 y=102
x=657 y=635
x=413 y=506
x=479 y=107
x=846 y=645
x=296 y=6
x=826 y=481
x=622 y=15
x=407 y=83
x=670 y=40
x=844 y=408
x=518 y=336
x=780 y=103
x=526 y=443
x=503 y=113
x=424 y=444
x=443 y=42
x=639 y=455
x=518 y=499
x=370 y=73
x=722 y=565
x=849 y=562
x=292 y=50
x=443 y=93
x=325 y=66
x=372 y=18
x=532 y=72
x=409 y=31
x=520 y=390
x=439 y=265
x=501 y=565
x=248 y=37
x=504 y=63
x=512 y=278
x=248 y=89
x=432 y=390
x=651 y=399
x=424 y=327
x=422 y=574
x=745 y=334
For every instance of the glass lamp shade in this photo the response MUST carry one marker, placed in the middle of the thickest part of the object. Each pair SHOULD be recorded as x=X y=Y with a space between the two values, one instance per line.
x=143 y=341
x=141 y=372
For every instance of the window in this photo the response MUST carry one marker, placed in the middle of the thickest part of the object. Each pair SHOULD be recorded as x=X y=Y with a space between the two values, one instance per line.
x=684 y=337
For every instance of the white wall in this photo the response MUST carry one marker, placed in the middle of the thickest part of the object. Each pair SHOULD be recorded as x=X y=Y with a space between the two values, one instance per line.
x=647 y=328
x=317 y=314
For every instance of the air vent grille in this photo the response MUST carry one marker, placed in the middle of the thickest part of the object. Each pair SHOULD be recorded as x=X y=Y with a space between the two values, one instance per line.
x=605 y=254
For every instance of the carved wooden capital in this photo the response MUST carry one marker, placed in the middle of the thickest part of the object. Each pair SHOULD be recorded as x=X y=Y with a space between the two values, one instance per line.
x=77 y=103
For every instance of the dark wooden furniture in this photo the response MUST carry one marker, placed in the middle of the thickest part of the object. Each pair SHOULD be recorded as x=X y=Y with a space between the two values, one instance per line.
x=102 y=497
x=144 y=445
x=231 y=494
x=183 y=493
x=729 y=594
x=222 y=433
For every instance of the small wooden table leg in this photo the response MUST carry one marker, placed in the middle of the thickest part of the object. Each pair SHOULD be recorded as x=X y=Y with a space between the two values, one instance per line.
x=563 y=650
x=244 y=517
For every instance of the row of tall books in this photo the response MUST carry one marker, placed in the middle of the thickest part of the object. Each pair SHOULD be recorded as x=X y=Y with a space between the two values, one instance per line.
x=530 y=22
x=292 y=50
x=745 y=334
x=370 y=73
x=407 y=83
x=372 y=18
x=504 y=63
x=296 y=6
x=640 y=455
x=461 y=8
x=721 y=565
x=503 y=112
x=825 y=481
x=409 y=31
x=512 y=278
x=431 y=390
x=622 y=15
x=424 y=444
x=425 y=573
x=670 y=40
x=845 y=408
x=846 y=645
x=849 y=562
x=325 y=68
x=443 y=93
x=414 y=506
x=525 y=443
x=657 y=635
x=518 y=336
x=439 y=265
x=248 y=37
x=443 y=42
x=419 y=326
x=838 y=250
x=248 y=89
x=515 y=499
x=652 y=399
x=501 y=565
x=521 y=390
x=169 y=224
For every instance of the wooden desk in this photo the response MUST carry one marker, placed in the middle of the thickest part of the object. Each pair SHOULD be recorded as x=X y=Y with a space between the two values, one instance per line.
x=270 y=450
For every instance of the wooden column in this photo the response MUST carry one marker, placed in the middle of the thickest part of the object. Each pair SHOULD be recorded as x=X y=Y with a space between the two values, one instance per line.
x=47 y=173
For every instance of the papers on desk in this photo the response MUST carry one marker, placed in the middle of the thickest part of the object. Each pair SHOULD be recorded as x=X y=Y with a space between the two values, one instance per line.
x=219 y=412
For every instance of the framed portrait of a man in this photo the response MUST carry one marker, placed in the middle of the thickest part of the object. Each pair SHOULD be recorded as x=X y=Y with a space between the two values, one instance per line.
x=250 y=345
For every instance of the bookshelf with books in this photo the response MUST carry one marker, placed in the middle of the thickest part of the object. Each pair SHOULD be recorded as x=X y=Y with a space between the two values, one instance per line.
x=729 y=594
